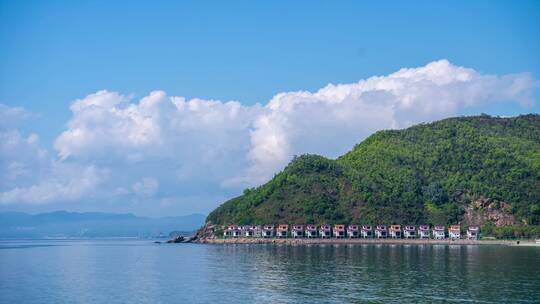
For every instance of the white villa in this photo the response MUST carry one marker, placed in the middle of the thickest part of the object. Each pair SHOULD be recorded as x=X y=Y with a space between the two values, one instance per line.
x=409 y=232
x=228 y=232
x=282 y=231
x=395 y=231
x=247 y=231
x=257 y=230
x=366 y=231
x=423 y=231
x=298 y=231
x=352 y=231
x=268 y=231
x=232 y=231
x=381 y=232
x=325 y=231
x=454 y=232
x=339 y=231
x=311 y=231
x=438 y=233
x=472 y=233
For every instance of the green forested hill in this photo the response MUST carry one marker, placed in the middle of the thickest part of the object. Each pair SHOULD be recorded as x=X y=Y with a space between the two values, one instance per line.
x=428 y=173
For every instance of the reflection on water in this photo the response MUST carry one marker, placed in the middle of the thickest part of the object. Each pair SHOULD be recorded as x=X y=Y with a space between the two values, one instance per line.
x=139 y=271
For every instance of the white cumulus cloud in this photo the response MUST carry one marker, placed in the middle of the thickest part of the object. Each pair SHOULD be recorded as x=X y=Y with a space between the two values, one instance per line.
x=146 y=187
x=64 y=182
x=331 y=120
x=162 y=148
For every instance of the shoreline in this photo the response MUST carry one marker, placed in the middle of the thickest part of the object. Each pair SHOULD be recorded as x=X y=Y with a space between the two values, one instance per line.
x=361 y=241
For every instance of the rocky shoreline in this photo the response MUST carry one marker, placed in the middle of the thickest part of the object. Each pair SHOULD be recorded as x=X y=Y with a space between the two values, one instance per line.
x=333 y=241
x=181 y=239
x=207 y=235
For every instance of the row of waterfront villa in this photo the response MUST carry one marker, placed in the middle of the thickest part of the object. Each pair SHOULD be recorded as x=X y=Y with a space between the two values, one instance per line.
x=350 y=231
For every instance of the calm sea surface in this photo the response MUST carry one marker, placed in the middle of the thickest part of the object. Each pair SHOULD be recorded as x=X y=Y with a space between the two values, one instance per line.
x=128 y=271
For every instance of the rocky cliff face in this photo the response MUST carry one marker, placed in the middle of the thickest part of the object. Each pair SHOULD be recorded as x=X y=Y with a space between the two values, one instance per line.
x=207 y=232
x=483 y=210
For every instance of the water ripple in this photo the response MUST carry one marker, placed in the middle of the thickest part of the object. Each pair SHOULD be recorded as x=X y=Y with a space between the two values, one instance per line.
x=140 y=272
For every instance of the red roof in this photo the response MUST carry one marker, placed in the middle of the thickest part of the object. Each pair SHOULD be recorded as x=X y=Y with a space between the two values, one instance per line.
x=454 y=228
x=339 y=227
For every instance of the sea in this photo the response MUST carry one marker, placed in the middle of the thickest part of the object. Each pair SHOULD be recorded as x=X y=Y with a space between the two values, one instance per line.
x=141 y=271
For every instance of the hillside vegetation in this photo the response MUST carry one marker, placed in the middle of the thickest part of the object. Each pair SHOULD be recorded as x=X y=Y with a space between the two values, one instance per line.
x=429 y=173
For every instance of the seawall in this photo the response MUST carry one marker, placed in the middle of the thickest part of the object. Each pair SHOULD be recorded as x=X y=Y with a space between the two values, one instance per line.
x=305 y=241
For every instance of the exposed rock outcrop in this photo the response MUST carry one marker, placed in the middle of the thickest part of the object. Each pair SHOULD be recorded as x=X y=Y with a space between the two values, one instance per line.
x=207 y=232
x=182 y=239
x=483 y=210
x=176 y=239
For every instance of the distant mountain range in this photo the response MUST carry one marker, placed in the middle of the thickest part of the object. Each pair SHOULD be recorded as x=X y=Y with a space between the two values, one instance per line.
x=93 y=224
x=474 y=170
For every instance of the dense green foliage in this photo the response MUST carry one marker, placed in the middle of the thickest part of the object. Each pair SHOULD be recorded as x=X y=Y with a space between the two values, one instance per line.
x=510 y=232
x=424 y=174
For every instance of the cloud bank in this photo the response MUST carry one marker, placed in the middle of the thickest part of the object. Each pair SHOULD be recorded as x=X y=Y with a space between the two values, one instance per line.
x=169 y=150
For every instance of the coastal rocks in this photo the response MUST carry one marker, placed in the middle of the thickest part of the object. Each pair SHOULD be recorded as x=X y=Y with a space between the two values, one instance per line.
x=177 y=239
x=182 y=239
x=208 y=231
x=483 y=210
x=190 y=239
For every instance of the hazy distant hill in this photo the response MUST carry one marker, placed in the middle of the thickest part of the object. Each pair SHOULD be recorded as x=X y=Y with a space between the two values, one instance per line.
x=92 y=224
x=470 y=169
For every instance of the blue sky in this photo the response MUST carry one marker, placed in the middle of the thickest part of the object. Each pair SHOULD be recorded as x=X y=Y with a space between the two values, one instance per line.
x=55 y=52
